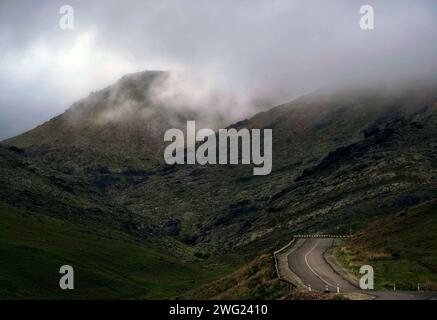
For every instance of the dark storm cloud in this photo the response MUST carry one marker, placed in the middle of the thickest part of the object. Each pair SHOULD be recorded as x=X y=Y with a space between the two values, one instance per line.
x=268 y=51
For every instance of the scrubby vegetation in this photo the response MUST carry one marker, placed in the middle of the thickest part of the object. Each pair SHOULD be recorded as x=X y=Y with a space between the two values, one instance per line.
x=255 y=281
x=402 y=248
x=340 y=161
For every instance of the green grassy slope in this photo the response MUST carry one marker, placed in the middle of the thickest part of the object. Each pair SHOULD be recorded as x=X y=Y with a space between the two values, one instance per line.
x=257 y=280
x=33 y=247
x=402 y=248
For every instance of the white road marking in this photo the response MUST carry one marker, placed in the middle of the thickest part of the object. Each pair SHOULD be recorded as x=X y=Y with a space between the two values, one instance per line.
x=312 y=270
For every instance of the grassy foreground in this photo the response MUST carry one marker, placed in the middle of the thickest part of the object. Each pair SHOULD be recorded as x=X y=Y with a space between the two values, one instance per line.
x=402 y=249
x=254 y=281
x=33 y=247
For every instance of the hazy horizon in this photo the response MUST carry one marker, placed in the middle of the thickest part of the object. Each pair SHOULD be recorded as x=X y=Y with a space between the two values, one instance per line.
x=252 y=54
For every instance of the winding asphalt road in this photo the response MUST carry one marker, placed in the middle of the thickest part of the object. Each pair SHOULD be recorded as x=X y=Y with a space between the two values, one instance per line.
x=307 y=261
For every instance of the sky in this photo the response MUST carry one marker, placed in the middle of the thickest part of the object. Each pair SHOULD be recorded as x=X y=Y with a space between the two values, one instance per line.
x=260 y=52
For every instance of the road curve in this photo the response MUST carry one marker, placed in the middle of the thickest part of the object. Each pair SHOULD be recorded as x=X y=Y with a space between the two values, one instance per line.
x=307 y=261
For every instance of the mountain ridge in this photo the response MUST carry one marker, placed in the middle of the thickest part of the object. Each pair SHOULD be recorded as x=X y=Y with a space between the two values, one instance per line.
x=340 y=161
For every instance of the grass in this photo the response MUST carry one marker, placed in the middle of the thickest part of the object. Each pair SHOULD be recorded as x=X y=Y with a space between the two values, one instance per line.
x=257 y=280
x=402 y=249
x=110 y=266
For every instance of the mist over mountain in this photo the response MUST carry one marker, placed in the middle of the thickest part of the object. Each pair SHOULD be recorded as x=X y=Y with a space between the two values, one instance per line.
x=342 y=158
x=127 y=120
x=88 y=90
x=254 y=54
x=120 y=130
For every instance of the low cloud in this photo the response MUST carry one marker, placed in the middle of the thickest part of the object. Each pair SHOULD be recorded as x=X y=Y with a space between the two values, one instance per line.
x=203 y=94
x=234 y=57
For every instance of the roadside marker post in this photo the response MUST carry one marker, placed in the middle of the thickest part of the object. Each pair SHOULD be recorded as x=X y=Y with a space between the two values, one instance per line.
x=309 y=288
x=338 y=289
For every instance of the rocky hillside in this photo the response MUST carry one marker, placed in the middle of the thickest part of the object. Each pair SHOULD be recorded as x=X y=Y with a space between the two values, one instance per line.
x=331 y=152
x=340 y=160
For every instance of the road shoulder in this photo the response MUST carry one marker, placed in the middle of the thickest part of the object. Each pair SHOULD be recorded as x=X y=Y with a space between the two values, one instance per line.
x=285 y=272
x=330 y=258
